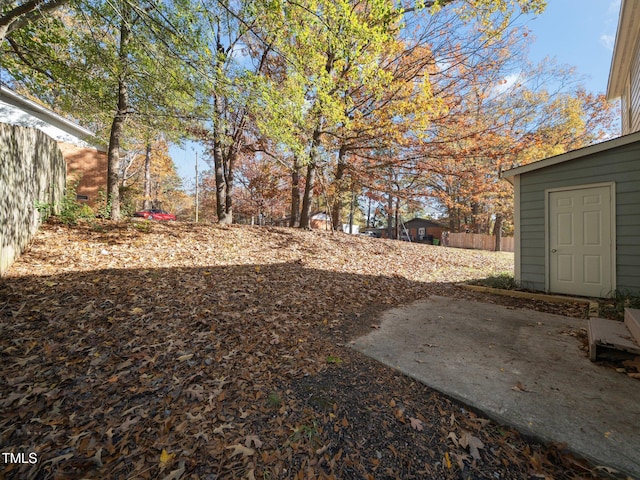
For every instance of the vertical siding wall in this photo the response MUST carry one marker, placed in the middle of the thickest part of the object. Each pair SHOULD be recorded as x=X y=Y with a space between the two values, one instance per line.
x=620 y=165
x=32 y=170
x=625 y=110
x=632 y=105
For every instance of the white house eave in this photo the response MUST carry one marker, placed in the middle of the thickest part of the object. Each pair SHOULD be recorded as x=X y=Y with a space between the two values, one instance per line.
x=572 y=155
x=12 y=98
x=624 y=49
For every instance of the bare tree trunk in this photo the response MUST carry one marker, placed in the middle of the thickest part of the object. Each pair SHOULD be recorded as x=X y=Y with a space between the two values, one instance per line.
x=497 y=231
x=305 y=214
x=295 y=193
x=218 y=152
x=227 y=216
x=390 y=215
x=117 y=126
x=339 y=189
x=397 y=212
x=147 y=179
x=351 y=210
x=113 y=163
x=218 y=165
x=230 y=169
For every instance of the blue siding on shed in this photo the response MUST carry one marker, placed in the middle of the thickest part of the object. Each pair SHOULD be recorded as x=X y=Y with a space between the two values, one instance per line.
x=620 y=165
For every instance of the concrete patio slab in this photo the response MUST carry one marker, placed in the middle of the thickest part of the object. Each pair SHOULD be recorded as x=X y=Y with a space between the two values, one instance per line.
x=521 y=368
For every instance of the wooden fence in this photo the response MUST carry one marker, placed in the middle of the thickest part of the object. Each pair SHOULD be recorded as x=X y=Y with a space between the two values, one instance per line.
x=478 y=241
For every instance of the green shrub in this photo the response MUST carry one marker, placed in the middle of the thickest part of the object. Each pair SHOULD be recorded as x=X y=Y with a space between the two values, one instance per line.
x=504 y=281
x=70 y=210
x=45 y=209
x=104 y=204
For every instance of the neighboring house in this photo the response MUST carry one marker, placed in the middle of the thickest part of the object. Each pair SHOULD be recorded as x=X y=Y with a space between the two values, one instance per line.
x=423 y=230
x=320 y=221
x=85 y=159
x=577 y=215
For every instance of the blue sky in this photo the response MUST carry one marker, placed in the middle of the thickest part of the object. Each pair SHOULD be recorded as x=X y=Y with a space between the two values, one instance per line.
x=580 y=33
x=577 y=33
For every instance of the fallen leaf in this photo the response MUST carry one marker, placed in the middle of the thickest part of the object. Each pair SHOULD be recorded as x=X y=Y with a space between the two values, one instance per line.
x=165 y=458
x=416 y=424
x=467 y=440
x=239 y=449
x=321 y=450
x=519 y=387
x=253 y=439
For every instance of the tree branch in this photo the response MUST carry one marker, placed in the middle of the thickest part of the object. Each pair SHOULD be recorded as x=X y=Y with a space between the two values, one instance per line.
x=25 y=13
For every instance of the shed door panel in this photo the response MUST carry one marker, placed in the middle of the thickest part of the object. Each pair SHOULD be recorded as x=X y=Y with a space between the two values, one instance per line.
x=580 y=242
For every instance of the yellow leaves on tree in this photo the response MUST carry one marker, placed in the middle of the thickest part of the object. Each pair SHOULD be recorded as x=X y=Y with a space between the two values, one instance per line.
x=164 y=182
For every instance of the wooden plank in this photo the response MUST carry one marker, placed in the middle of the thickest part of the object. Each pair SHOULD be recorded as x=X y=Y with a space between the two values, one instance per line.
x=610 y=334
x=632 y=321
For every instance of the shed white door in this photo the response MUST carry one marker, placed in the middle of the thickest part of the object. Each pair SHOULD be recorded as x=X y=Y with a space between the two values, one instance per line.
x=580 y=241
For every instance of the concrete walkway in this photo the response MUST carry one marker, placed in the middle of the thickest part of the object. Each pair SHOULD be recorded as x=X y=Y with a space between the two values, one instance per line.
x=519 y=367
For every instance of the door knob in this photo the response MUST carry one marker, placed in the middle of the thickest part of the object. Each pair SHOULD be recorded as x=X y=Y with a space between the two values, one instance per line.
x=553 y=250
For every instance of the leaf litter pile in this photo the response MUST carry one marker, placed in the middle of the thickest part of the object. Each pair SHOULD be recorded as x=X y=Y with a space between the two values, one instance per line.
x=181 y=351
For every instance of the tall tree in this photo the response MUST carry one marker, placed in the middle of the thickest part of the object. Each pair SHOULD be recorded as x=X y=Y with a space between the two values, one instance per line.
x=495 y=126
x=230 y=63
x=115 y=63
x=150 y=179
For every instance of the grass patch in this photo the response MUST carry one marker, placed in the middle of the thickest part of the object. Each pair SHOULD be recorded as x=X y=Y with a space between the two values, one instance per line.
x=307 y=433
x=504 y=281
x=613 y=308
x=274 y=400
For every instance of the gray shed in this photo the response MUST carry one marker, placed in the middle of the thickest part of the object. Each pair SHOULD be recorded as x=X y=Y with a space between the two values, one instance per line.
x=577 y=220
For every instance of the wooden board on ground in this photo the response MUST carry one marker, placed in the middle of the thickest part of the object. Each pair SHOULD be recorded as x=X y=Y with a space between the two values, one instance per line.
x=610 y=334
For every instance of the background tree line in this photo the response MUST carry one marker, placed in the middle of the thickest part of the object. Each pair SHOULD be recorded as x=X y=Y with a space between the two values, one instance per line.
x=352 y=107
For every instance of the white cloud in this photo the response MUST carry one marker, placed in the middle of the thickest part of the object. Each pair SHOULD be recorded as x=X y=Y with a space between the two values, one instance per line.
x=614 y=7
x=507 y=82
x=608 y=41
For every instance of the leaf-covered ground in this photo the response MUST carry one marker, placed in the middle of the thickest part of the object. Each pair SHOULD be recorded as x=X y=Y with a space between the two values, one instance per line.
x=183 y=351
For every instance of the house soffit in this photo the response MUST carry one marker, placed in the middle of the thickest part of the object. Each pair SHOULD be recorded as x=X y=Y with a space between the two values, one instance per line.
x=625 y=46
x=37 y=116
